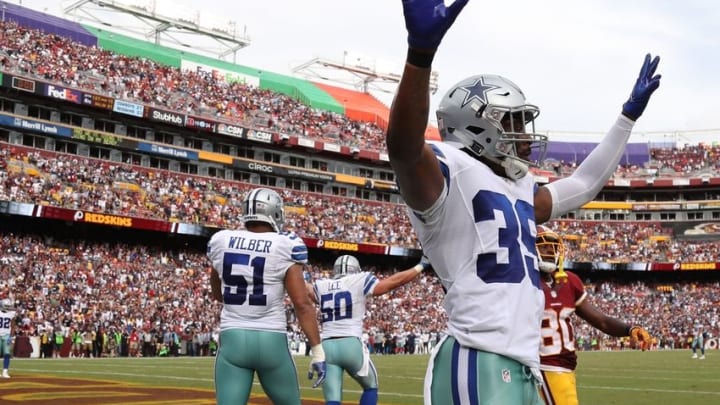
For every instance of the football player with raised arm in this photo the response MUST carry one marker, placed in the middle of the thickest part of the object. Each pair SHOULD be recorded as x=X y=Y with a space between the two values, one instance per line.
x=564 y=295
x=474 y=209
x=342 y=300
x=252 y=270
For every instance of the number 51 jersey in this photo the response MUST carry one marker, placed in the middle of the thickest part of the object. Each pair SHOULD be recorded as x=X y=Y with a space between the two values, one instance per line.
x=252 y=269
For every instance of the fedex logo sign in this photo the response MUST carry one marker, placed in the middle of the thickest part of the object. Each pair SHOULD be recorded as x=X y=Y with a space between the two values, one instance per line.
x=62 y=93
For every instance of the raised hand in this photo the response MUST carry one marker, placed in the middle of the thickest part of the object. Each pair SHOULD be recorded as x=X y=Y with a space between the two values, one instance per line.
x=427 y=21
x=645 y=85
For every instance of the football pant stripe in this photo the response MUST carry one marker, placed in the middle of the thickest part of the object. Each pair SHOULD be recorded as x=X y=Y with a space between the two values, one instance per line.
x=546 y=393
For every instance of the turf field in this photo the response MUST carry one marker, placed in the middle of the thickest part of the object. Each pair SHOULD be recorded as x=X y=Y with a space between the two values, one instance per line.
x=604 y=378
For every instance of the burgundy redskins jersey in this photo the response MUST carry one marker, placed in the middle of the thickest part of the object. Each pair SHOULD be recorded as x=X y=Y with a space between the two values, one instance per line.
x=557 y=348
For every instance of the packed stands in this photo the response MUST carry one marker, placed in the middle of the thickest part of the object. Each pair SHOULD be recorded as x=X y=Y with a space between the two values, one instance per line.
x=117 y=286
x=59 y=59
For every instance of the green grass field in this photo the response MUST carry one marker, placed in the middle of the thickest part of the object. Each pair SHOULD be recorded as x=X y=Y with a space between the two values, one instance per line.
x=604 y=378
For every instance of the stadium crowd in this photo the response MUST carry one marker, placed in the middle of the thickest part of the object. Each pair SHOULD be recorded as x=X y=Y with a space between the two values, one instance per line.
x=154 y=301
x=73 y=182
x=57 y=59
x=149 y=300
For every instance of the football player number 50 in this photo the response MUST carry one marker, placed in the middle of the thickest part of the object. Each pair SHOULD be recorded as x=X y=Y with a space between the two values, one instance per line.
x=236 y=285
x=335 y=307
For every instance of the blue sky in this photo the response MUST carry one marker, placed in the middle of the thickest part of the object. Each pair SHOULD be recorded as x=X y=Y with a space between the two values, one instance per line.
x=577 y=59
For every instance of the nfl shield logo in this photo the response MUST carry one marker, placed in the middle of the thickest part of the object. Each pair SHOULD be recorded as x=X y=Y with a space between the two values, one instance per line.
x=506 y=375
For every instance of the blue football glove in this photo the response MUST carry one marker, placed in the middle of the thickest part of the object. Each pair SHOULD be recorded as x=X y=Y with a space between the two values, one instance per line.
x=427 y=21
x=317 y=365
x=645 y=85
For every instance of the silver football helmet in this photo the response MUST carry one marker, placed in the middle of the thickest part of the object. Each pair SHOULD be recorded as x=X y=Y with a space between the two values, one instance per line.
x=345 y=265
x=6 y=304
x=488 y=115
x=264 y=205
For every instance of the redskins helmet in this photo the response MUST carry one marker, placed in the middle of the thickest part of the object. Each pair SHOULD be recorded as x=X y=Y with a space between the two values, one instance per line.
x=344 y=265
x=550 y=249
x=488 y=115
x=264 y=205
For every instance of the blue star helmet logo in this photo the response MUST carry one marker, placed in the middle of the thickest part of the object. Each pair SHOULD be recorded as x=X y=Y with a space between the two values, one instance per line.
x=477 y=91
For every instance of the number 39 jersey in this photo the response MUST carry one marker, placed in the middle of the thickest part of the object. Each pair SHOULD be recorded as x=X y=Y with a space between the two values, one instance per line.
x=342 y=303
x=480 y=239
x=557 y=350
x=252 y=268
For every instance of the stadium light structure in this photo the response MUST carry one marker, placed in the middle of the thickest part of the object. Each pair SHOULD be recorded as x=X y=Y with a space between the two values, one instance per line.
x=165 y=22
x=363 y=74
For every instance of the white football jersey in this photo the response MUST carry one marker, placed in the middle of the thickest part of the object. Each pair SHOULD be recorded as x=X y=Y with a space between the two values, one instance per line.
x=6 y=319
x=342 y=303
x=252 y=268
x=480 y=239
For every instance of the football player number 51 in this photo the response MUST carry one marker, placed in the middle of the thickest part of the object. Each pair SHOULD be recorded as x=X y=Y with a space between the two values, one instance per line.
x=236 y=285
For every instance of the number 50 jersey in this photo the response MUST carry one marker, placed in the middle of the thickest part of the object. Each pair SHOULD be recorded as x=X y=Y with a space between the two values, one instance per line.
x=252 y=269
x=342 y=303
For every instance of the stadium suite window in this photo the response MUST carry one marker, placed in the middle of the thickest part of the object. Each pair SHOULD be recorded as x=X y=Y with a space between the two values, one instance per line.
x=296 y=161
x=271 y=157
x=319 y=165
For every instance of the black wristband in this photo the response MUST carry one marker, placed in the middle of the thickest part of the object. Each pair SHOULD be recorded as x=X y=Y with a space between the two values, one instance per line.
x=420 y=59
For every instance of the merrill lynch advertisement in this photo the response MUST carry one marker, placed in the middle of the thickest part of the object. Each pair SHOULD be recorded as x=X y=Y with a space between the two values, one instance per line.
x=168 y=151
x=37 y=126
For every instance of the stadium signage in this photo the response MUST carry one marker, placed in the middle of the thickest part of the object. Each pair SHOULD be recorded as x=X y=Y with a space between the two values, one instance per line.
x=35 y=126
x=97 y=101
x=310 y=175
x=18 y=83
x=697 y=266
x=102 y=219
x=200 y=123
x=258 y=167
x=166 y=116
x=83 y=134
x=259 y=136
x=124 y=107
x=232 y=130
x=63 y=93
x=331 y=244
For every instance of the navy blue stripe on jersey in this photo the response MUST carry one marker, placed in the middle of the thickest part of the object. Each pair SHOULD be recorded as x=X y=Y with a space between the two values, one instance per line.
x=299 y=253
x=369 y=281
x=472 y=377
x=454 y=373
x=436 y=150
x=441 y=161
